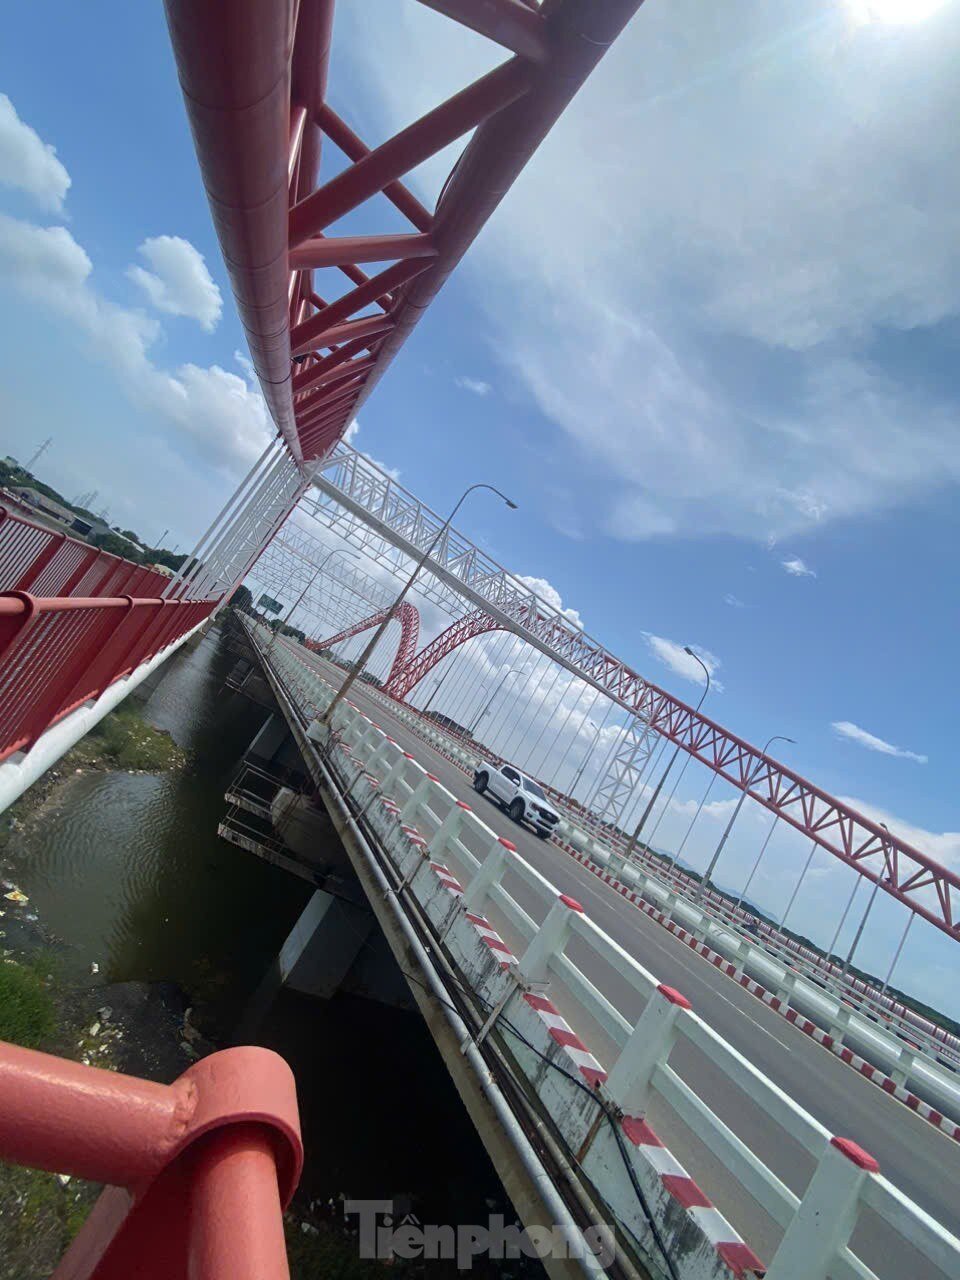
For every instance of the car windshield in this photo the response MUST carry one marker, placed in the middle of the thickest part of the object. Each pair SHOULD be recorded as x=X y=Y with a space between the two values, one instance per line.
x=533 y=789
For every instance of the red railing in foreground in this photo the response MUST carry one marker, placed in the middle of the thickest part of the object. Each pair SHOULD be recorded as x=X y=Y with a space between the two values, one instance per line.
x=57 y=653
x=35 y=559
x=198 y=1173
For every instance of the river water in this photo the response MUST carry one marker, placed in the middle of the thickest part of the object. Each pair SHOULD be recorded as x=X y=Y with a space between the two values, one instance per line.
x=128 y=870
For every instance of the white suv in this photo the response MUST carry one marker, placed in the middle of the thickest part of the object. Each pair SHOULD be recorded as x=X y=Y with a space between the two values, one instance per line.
x=522 y=798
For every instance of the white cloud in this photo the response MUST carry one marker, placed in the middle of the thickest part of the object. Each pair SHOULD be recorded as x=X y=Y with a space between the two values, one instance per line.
x=733 y=601
x=219 y=411
x=179 y=282
x=29 y=163
x=712 y=809
x=392 y=472
x=475 y=385
x=549 y=594
x=350 y=436
x=846 y=729
x=680 y=662
x=710 y=349
x=797 y=568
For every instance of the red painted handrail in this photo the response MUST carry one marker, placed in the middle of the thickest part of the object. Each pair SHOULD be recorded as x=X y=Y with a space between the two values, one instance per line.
x=198 y=1172
x=34 y=558
x=57 y=653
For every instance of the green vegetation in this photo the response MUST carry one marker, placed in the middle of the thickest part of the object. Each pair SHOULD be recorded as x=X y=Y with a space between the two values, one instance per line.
x=125 y=740
x=27 y=1011
x=275 y=624
x=42 y=1217
x=242 y=599
x=114 y=545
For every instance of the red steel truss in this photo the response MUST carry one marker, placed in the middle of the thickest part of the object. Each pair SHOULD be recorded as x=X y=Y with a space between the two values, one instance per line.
x=409 y=619
x=254 y=78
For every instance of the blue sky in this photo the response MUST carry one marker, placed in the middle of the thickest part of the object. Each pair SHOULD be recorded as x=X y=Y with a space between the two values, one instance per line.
x=711 y=332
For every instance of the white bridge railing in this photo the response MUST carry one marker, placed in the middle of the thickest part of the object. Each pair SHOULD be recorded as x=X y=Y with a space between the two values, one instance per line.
x=911 y=1057
x=432 y=839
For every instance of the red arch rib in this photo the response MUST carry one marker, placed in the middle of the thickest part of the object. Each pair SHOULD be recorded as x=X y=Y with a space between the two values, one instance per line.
x=409 y=620
x=404 y=678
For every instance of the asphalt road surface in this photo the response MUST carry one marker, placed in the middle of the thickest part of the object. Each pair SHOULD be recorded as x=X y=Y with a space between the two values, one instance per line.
x=922 y=1162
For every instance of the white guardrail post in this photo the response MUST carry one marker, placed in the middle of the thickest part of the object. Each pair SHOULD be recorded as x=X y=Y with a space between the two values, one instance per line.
x=488 y=875
x=648 y=1048
x=411 y=808
x=534 y=965
x=827 y=1214
x=449 y=830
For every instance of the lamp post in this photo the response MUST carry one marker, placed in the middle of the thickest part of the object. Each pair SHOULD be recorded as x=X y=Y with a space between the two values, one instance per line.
x=777 y=737
x=586 y=756
x=659 y=787
x=361 y=662
x=489 y=702
x=337 y=551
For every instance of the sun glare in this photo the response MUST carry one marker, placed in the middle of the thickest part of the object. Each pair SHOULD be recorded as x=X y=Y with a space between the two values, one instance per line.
x=894 y=12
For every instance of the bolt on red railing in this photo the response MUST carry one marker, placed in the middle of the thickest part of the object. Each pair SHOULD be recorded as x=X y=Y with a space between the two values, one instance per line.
x=198 y=1172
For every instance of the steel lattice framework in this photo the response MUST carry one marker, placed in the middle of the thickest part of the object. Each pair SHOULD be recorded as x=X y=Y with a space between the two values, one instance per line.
x=617 y=784
x=409 y=619
x=254 y=78
x=349 y=480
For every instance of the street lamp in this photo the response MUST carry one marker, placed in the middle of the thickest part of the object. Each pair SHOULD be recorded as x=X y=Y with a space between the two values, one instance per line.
x=777 y=737
x=512 y=672
x=364 y=658
x=337 y=551
x=659 y=787
x=586 y=755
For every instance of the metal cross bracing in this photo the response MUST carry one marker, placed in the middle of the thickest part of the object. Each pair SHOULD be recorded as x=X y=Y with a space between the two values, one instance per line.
x=291 y=561
x=330 y=515
x=320 y=329
x=618 y=782
x=396 y=515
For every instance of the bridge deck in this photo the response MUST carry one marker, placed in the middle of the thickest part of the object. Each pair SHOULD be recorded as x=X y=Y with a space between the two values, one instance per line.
x=920 y=1161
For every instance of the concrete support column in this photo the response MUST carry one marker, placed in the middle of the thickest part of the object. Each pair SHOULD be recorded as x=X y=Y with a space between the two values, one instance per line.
x=323 y=944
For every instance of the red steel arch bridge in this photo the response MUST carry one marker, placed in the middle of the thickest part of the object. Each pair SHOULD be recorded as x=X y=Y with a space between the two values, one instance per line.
x=326 y=306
